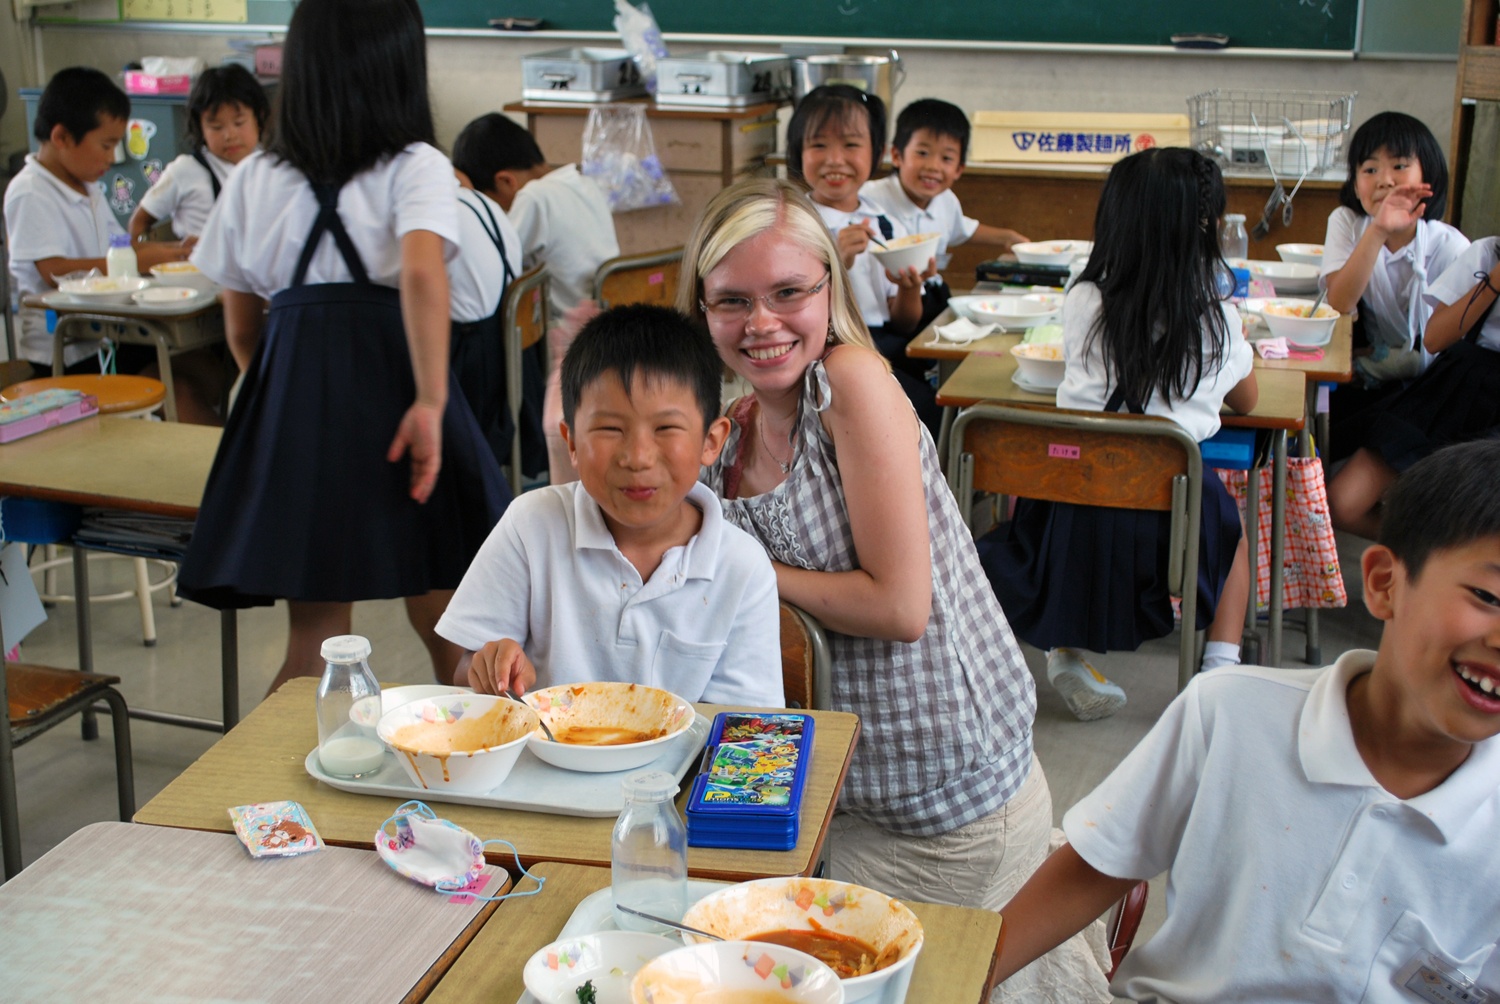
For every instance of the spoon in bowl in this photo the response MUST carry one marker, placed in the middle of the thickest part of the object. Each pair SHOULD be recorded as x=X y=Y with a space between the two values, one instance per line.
x=664 y=922
x=1313 y=310
x=539 y=718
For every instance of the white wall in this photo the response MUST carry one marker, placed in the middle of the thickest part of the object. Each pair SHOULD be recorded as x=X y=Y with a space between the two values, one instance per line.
x=470 y=76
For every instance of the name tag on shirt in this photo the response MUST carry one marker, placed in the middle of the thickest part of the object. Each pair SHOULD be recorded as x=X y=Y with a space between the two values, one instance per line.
x=1427 y=978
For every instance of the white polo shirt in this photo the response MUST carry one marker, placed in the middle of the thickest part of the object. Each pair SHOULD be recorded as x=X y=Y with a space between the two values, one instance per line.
x=564 y=220
x=1087 y=385
x=1292 y=875
x=1394 y=297
x=44 y=218
x=185 y=194
x=1458 y=281
x=943 y=216
x=706 y=626
x=872 y=290
x=476 y=276
x=256 y=231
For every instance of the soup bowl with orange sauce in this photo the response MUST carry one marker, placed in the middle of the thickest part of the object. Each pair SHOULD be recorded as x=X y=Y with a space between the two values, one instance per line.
x=604 y=726
x=463 y=743
x=869 y=939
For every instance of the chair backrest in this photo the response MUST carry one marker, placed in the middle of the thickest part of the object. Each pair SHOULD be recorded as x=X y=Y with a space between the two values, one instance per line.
x=1123 y=922
x=1090 y=458
x=806 y=664
x=641 y=278
x=524 y=316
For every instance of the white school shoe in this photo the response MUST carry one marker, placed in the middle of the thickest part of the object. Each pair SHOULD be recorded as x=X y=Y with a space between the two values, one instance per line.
x=1088 y=693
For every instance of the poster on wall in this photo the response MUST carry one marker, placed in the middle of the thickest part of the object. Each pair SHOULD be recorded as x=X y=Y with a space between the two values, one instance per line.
x=224 y=11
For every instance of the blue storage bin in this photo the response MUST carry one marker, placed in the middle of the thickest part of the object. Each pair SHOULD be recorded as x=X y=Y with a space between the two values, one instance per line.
x=1230 y=449
x=35 y=521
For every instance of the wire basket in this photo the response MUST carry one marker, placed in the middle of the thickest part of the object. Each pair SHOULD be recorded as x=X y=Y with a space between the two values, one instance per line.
x=1288 y=133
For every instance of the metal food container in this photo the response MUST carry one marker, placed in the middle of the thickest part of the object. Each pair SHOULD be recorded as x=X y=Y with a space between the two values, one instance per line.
x=879 y=75
x=721 y=78
x=581 y=74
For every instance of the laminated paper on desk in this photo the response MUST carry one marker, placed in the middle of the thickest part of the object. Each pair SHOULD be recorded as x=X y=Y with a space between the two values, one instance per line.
x=750 y=793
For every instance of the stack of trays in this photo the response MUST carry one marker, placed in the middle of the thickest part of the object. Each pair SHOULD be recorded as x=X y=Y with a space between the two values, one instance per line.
x=749 y=794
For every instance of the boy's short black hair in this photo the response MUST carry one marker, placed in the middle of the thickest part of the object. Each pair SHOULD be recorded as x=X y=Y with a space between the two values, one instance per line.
x=1443 y=501
x=494 y=143
x=225 y=85
x=939 y=118
x=839 y=104
x=76 y=99
x=656 y=342
x=1402 y=136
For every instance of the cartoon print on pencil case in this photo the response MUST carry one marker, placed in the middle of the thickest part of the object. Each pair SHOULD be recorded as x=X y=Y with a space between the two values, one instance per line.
x=282 y=833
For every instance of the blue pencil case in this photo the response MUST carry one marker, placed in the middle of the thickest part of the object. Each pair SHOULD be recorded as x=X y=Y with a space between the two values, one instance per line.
x=749 y=793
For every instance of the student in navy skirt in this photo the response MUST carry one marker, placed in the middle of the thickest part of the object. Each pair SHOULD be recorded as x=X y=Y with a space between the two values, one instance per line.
x=350 y=467
x=1144 y=331
x=1456 y=400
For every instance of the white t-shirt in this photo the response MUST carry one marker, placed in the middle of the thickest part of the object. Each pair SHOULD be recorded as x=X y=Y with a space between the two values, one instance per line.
x=564 y=220
x=706 y=626
x=44 y=218
x=476 y=276
x=944 y=214
x=1394 y=296
x=184 y=193
x=872 y=290
x=256 y=231
x=1458 y=280
x=1087 y=385
x=1292 y=875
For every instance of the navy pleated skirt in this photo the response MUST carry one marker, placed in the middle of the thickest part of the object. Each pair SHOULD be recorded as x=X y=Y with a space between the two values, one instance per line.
x=1096 y=578
x=301 y=503
x=1456 y=400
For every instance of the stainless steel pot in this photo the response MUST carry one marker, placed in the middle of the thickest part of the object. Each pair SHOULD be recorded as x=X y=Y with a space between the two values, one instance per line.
x=878 y=75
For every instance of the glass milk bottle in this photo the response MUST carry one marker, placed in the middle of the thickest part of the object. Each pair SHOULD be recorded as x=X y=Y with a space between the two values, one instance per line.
x=648 y=853
x=119 y=261
x=1234 y=242
x=349 y=709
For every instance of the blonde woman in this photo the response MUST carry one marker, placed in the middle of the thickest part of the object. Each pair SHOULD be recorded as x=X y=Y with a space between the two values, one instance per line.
x=827 y=465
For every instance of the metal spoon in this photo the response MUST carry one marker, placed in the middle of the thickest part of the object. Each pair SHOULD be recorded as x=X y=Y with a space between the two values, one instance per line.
x=1313 y=310
x=539 y=718
x=664 y=922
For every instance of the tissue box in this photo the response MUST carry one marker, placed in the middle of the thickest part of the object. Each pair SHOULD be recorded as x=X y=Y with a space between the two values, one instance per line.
x=141 y=82
x=268 y=60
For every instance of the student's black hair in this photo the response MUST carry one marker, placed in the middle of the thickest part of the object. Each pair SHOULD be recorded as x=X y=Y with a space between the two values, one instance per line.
x=225 y=85
x=1445 y=500
x=1156 y=262
x=353 y=87
x=839 y=104
x=76 y=99
x=939 y=118
x=494 y=143
x=1401 y=136
x=656 y=343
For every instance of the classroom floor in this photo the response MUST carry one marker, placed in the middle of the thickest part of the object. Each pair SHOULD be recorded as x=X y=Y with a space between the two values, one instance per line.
x=66 y=783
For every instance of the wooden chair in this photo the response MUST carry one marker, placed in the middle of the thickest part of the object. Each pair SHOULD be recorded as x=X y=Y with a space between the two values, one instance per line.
x=641 y=278
x=1122 y=924
x=806 y=665
x=524 y=314
x=37 y=698
x=1090 y=458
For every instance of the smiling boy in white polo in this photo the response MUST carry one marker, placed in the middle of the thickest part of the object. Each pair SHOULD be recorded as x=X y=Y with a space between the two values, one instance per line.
x=630 y=573
x=1329 y=835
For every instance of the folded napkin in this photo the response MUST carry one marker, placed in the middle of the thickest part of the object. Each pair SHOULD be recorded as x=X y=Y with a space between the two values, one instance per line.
x=1280 y=348
x=964 y=330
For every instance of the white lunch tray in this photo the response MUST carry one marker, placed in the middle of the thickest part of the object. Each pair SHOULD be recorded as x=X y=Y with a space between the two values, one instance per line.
x=596 y=912
x=531 y=786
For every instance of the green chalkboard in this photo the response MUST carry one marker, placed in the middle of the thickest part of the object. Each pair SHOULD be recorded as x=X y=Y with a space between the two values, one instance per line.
x=1262 y=24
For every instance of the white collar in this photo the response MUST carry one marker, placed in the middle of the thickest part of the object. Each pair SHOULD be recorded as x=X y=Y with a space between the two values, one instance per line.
x=1325 y=745
x=700 y=555
x=66 y=189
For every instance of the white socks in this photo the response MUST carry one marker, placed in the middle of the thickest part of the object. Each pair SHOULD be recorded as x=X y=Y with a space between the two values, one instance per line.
x=1220 y=653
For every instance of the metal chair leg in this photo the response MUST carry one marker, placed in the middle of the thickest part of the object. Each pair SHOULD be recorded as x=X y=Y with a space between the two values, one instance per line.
x=124 y=759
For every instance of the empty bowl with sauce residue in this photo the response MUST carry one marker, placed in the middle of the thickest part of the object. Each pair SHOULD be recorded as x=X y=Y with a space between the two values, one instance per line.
x=605 y=726
x=464 y=742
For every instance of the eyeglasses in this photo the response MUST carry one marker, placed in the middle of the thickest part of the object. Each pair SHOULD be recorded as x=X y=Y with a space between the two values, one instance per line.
x=784 y=301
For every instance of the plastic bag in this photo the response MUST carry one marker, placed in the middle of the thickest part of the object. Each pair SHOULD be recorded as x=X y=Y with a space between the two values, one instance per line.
x=620 y=156
x=642 y=39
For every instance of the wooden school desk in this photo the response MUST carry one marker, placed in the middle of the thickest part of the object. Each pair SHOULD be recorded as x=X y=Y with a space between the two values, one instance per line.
x=118 y=912
x=262 y=760
x=158 y=468
x=1280 y=409
x=954 y=968
x=171 y=330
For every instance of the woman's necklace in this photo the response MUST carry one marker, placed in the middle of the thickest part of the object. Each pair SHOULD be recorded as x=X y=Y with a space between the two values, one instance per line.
x=765 y=444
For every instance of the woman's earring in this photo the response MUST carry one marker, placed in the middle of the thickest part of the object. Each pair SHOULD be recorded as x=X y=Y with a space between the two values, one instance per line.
x=830 y=331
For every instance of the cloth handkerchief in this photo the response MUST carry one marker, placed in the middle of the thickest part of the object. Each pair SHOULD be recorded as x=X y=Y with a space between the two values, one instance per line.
x=1271 y=348
x=964 y=330
x=275 y=829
